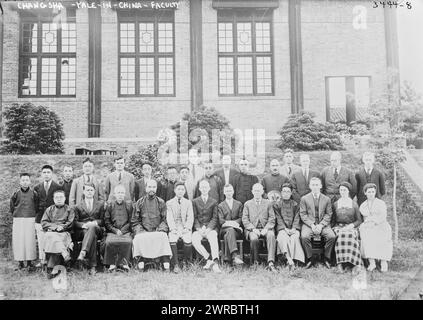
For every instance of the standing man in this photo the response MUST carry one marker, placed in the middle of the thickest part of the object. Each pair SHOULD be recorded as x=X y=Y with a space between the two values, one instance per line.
x=189 y=184
x=77 y=190
x=89 y=220
x=289 y=167
x=259 y=222
x=205 y=226
x=180 y=219
x=227 y=173
x=141 y=184
x=244 y=182
x=45 y=191
x=67 y=181
x=214 y=181
x=195 y=169
x=300 y=179
x=274 y=180
x=316 y=214
x=122 y=177
x=168 y=187
x=333 y=175
x=150 y=229
x=369 y=174
x=229 y=213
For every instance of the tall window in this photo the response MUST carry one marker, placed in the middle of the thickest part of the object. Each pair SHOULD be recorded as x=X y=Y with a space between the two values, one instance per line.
x=245 y=52
x=146 y=53
x=47 y=56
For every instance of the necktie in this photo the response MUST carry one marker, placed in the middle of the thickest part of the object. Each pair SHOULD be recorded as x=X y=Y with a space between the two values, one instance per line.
x=289 y=170
x=335 y=175
x=204 y=199
x=46 y=186
x=179 y=201
x=88 y=179
x=306 y=175
x=120 y=176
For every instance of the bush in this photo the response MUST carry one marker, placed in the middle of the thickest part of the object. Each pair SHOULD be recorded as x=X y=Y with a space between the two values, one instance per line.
x=302 y=133
x=145 y=154
x=203 y=120
x=30 y=129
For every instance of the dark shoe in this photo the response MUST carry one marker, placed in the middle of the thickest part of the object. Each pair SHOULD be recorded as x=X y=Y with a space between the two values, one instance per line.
x=327 y=264
x=309 y=264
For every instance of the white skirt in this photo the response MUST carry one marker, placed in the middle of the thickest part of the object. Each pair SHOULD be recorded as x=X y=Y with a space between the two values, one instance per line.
x=151 y=245
x=23 y=239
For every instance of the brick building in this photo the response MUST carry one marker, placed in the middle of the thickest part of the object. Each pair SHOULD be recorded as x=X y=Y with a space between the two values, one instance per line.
x=125 y=73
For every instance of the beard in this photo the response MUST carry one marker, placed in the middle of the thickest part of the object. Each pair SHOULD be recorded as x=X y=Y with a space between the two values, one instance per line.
x=151 y=194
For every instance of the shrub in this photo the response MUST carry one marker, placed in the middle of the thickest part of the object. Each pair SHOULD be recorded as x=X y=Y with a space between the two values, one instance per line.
x=302 y=133
x=145 y=154
x=32 y=129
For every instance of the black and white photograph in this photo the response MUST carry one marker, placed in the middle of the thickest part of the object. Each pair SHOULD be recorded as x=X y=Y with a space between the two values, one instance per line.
x=225 y=151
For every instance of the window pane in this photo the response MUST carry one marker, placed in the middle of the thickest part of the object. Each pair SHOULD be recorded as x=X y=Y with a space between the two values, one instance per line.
x=127 y=37
x=30 y=35
x=245 y=75
x=337 y=98
x=165 y=75
x=68 y=37
x=226 y=75
x=244 y=37
x=147 y=76
x=127 y=75
x=146 y=37
x=264 y=75
x=48 y=76
x=165 y=37
x=225 y=37
x=29 y=76
x=68 y=76
x=263 y=37
x=362 y=91
x=49 y=37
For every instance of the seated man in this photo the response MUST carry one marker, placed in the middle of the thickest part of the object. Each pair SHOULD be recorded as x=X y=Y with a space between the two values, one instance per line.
x=57 y=223
x=89 y=216
x=118 y=243
x=316 y=215
x=230 y=215
x=180 y=218
x=150 y=228
x=259 y=222
x=205 y=225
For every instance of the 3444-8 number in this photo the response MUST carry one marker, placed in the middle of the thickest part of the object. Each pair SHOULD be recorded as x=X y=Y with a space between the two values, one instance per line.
x=392 y=4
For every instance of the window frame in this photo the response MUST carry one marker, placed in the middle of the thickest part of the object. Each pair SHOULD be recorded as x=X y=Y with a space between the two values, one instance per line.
x=39 y=55
x=168 y=16
x=253 y=16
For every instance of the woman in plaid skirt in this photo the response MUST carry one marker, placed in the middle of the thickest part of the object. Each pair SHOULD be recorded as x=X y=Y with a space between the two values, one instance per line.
x=347 y=218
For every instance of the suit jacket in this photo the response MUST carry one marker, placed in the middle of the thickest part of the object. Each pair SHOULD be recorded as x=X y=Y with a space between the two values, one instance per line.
x=140 y=191
x=271 y=182
x=227 y=214
x=216 y=188
x=83 y=215
x=77 y=191
x=205 y=214
x=307 y=210
x=45 y=200
x=232 y=174
x=67 y=185
x=112 y=180
x=253 y=213
x=376 y=176
x=330 y=185
x=187 y=213
x=242 y=186
x=300 y=184
x=284 y=170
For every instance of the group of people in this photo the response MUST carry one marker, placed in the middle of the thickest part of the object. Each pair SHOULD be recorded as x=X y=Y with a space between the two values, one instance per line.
x=141 y=220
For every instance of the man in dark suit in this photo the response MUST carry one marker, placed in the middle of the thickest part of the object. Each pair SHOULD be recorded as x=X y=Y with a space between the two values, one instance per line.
x=316 y=214
x=205 y=226
x=216 y=185
x=45 y=192
x=243 y=182
x=300 y=179
x=168 y=185
x=274 y=180
x=227 y=173
x=141 y=184
x=67 y=181
x=230 y=214
x=369 y=174
x=89 y=220
x=333 y=175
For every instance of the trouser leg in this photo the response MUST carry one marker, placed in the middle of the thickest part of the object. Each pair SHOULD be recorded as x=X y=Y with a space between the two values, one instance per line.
x=271 y=245
x=214 y=244
x=306 y=234
x=254 y=247
x=329 y=237
x=196 y=242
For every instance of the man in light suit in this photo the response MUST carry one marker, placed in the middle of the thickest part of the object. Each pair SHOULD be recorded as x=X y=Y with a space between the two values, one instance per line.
x=189 y=184
x=119 y=177
x=196 y=171
x=259 y=222
x=316 y=215
x=333 y=175
x=300 y=179
x=227 y=173
x=369 y=174
x=180 y=219
x=229 y=212
x=289 y=167
x=77 y=188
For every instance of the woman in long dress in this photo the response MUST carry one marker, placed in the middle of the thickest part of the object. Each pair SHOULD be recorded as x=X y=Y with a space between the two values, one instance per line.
x=347 y=218
x=375 y=231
